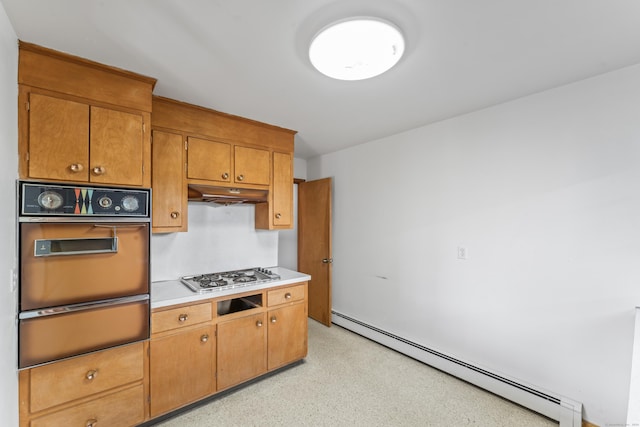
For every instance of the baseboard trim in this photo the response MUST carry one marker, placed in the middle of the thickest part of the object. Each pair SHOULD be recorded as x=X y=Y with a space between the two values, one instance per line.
x=566 y=411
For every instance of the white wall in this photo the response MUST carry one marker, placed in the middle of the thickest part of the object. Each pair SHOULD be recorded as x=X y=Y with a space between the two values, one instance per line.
x=8 y=175
x=633 y=412
x=220 y=238
x=544 y=192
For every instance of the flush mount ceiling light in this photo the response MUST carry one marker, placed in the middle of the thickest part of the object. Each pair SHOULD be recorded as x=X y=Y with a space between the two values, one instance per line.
x=356 y=48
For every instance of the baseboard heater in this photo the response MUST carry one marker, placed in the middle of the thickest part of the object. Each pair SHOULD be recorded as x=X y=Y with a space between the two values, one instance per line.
x=566 y=411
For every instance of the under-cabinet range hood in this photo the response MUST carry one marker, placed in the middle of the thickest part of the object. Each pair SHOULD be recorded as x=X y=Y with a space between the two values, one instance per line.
x=226 y=195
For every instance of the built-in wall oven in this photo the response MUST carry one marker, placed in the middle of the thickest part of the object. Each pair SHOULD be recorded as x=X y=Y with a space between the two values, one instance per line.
x=84 y=269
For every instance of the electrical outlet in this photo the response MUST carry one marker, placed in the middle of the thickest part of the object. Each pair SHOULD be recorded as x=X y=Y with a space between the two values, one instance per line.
x=462 y=252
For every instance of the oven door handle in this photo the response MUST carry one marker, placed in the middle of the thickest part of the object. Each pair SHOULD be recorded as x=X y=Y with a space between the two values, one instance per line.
x=58 y=247
x=52 y=311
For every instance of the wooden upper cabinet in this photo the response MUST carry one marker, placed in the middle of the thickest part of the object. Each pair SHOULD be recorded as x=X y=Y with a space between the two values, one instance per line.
x=233 y=152
x=80 y=121
x=209 y=160
x=116 y=147
x=58 y=139
x=71 y=141
x=282 y=193
x=170 y=199
x=252 y=166
x=277 y=214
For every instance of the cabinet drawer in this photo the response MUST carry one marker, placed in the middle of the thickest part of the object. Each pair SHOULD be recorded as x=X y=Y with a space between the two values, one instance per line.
x=284 y=295
x=179 y=317
x=124 y=408
x=85 y=375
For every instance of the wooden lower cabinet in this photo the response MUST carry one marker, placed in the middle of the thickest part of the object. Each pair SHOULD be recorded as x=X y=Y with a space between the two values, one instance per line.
x=123 y=408
x=193 y=353
x=242 y=345
x=287 y=335
x=101 y=388
x=182 y=368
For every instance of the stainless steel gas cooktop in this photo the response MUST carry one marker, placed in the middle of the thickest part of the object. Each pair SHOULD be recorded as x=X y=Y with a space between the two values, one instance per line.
x=228 y=279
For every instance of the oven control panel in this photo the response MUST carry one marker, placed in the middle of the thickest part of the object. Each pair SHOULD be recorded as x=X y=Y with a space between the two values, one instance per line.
x=37 y=199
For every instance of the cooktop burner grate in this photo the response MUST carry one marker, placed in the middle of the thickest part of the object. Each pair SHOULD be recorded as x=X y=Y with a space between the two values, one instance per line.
x=228 y=279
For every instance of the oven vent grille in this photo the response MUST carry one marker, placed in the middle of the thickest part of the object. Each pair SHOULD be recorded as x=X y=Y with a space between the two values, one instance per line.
x=566 y=411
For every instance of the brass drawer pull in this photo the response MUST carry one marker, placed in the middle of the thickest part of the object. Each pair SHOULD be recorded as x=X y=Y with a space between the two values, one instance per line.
x=259 y=323
x=225 y=176
x=240 y=178
x=183 y=317
x=287 y=295
x=99 y=170
x=175 y=214
x=93 y=422
x=278 y=216
x=204 y=338
x=273 y=319
x=92 y=374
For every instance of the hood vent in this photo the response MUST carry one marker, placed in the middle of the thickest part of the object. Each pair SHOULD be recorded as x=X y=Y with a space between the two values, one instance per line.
x=226 y=195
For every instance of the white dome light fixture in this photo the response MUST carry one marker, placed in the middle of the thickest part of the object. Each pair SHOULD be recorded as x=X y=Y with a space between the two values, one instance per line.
x=356 y=48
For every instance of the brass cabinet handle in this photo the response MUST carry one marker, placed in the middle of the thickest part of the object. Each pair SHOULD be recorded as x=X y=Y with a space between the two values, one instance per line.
x=76 y=167
x=287 y=295
x=225 y=175
x=90 y=375
x=278 y=216
x=93 y=422
x=240 y=177
x=204 y=338
x=273 y=319
x=99 y=170
x=175 y=214
x=259 y=323
x=183 y=317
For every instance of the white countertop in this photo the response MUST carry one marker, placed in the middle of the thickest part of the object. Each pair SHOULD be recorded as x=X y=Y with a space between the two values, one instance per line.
x=171 y=292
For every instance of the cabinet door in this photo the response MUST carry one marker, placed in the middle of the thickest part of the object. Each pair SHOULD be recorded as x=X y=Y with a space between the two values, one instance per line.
x=210 y=160
x=182 y=369
x=169 y=212
x=58 y=139
x=124 y=408
x=117 y=145
x=287 y=335
x=67 y=380
x=282 y=190
x=241 y=350
x=252 y=166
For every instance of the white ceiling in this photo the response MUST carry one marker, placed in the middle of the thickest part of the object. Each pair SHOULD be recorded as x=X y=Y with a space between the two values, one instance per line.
x=249 y=57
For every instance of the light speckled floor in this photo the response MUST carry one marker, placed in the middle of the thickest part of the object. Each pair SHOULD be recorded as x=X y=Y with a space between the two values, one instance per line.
x=348 y=380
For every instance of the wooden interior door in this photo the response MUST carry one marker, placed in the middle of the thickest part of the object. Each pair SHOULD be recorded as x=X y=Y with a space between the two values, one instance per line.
x=314 y=245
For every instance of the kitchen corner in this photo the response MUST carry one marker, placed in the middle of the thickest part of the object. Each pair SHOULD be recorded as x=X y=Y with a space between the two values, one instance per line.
x=123 y=191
